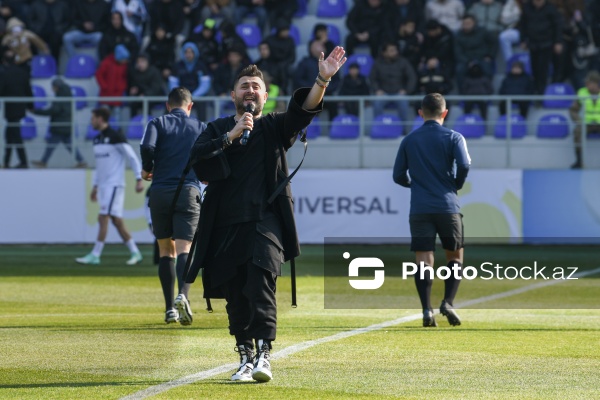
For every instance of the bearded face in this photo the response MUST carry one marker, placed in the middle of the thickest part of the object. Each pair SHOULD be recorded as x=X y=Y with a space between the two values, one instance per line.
x=249 y=90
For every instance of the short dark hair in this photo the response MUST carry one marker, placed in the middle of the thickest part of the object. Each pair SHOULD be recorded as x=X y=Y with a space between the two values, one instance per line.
x=102 y=112
x=250 y=70
x=433 y=105
x=179 y=96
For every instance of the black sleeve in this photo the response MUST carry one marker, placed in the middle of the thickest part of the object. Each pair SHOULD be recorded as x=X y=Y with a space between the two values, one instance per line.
x=296 y=118
x=209 y=140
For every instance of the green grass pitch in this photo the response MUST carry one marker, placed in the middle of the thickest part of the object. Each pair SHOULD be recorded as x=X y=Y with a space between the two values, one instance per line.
x=96 y=332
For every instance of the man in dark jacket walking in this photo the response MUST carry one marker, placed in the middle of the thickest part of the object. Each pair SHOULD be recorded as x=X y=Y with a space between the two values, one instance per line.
x=14 y=82
x=247 y=227
x=60 y=125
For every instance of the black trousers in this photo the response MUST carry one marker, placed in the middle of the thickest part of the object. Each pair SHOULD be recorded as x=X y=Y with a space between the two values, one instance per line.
x=14 y=139
x=540 y=61
x=251 y=305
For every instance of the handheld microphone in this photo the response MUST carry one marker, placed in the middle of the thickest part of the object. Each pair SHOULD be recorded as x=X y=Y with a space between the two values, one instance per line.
x=246 y=133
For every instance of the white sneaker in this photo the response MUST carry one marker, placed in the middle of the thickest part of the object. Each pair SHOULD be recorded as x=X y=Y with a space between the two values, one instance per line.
x=244 y=372
x=171 y=316
x=262 y=365
x=88 y=259
x=134 y=259
x=185 y=311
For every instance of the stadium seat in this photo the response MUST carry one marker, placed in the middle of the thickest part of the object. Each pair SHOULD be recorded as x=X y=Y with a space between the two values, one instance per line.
x=518 y=127
x=294 y=33
x=331 y=9
x=418 y=121
x=386 y=126
x=302 y=9
x=39 y=93
x=43 y=66
x=78 y=91
x=136 y=127
x=524 y=58
x=313 y=131
x=364 y=61
x=553 y=126
x=344 y=126
x=250 y=33
x=28 y=128
x=470 y=125
x=557 y=89
x=81 y=66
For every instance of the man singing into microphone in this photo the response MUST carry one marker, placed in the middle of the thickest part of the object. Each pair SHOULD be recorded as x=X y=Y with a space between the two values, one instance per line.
x=245 y=232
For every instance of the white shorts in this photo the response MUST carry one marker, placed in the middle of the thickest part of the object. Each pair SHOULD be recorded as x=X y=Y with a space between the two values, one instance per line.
x=111 y=200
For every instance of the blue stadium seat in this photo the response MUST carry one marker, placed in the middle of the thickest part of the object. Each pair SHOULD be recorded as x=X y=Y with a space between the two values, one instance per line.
x=294 y=33
x=78 y=91
x=81 y=66
x=313 y=131
x=43 y=66
x=331 y=9
x=364 y=61
x=344 y=126
x=518 y=127
x=524 y=58
x=40 y=95
x=557 y=89
x=418 y=121
x=470 y=125
x=250 y=33
x=136 y=127
x=302 y=9
x=28 y=129
x=553 y=126
x=386 y=126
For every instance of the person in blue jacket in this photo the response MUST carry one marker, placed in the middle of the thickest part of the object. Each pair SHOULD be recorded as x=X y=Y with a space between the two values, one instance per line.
x=433 y=161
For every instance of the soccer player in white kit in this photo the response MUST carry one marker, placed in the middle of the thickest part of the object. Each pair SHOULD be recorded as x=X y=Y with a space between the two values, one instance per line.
x=111 y=150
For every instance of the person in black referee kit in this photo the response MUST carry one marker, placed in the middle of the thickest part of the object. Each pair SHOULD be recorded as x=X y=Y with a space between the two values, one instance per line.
x=426 y=164
x=247 y=227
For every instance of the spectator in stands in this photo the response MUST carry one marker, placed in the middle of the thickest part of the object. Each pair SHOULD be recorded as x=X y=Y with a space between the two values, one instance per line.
x=308 y=68
x=392 y=74
x=144 y=80
x=517 y=82
x=409 y=10
x=409 y=42
x=12 y=8
x=192 y=73
x=192 y=9
x=169 y=14
x=353 y=84
x=112 y=75
x=321 y=33
x=540 y=29
x=509 y=17
x=21 y=41
x=574 y=29
x=228 y=70
x=368 y=23
x=281 y=10
x=473 y=44
x=580 y=62
x=487 y=15
x=283 y=48
x=231 y=40
x=590 y=115
x=14 y=82
x=438 y=44
x=266 y=64
x=160 y=51
x=476 y=83
x=50 y=19
x=134 y=15
x=117 y=34
x=257 y=7
x=91 y=18
x=60 y=125
x=207 y=44
x=446 y=12
x=433 y=78
x=224 y=9
x=274 y=91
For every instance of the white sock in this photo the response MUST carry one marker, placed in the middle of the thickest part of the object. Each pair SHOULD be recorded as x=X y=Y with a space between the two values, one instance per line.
x=98 y=247
x=131 y=246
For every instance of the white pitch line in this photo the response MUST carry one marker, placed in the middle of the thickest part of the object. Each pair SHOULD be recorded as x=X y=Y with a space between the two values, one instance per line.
x=186 y=380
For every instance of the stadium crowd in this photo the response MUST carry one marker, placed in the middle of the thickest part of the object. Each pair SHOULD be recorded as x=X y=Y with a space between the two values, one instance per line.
x=417 y=46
